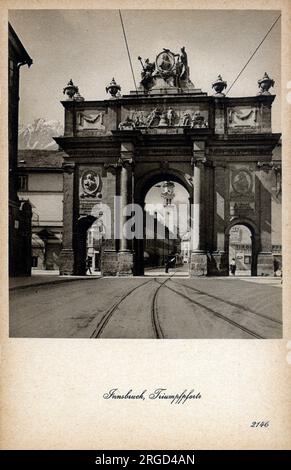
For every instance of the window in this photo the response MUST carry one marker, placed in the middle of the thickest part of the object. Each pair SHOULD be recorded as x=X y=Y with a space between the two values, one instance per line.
x=22 y=182
x=34 y=261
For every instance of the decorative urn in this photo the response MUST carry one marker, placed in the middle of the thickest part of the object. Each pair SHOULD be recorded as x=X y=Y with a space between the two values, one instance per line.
x=78 y=97
x=70 y=90
x=113 y=88
x=265 y=84
x=219 y=85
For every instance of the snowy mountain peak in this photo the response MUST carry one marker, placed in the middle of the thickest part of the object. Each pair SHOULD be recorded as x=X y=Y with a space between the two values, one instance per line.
x=39 y=134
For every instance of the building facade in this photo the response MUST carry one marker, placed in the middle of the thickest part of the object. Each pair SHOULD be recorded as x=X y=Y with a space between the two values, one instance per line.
x=219 y=148
x=19 y=211
x=40 y=181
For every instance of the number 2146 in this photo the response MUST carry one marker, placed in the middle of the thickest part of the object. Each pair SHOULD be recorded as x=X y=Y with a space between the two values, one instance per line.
x=260 y=424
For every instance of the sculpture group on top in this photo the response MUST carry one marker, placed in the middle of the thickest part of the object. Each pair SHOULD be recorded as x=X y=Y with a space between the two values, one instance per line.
x=172 y=69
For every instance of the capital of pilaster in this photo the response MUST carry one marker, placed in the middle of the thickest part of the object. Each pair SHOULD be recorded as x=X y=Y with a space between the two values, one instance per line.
x=121 y=162
x=199 y=161
x=68 y=167
x=265 y=166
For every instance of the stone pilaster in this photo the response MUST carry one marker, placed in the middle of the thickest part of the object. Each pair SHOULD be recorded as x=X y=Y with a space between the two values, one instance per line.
x=121 y=263
x=198 y=262
x=125 y=254
x=218 y=259
x=67 y=254
x=265 y=261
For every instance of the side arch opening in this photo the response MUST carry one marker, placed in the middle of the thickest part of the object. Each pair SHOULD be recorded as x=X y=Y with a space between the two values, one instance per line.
x=242 y=248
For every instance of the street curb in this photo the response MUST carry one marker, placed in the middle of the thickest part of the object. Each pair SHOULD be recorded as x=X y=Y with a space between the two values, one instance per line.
x=60 y=281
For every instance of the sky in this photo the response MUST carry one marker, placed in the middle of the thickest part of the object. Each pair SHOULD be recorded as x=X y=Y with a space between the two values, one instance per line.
x=88 y=46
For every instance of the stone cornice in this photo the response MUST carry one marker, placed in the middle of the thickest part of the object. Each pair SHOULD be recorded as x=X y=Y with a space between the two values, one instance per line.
x=176 y=98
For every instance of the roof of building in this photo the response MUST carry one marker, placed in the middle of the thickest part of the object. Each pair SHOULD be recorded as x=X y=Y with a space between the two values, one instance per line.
x=40 y=159
x=15 y=42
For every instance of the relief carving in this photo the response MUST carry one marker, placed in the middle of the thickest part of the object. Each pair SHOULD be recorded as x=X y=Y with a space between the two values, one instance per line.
x=164 y=118
x=242 y=181
x=91 y=121
x=246 y=117
x=90 y=184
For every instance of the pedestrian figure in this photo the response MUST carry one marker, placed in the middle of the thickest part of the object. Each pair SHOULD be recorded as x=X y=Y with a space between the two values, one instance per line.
x=167 y=266
x=88 y=265
x=232 y=266
x=170 y=263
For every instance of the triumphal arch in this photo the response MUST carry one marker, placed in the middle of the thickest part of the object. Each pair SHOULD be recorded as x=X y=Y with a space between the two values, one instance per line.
x=218 y=147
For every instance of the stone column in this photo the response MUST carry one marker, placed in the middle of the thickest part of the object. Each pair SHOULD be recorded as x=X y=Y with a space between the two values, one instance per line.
x=124 y=190
x=125 y=255
x=67 y=253
x=109 y=261
x=218 y=265
x=197 y=208
x=265 y=259
x=198 y=263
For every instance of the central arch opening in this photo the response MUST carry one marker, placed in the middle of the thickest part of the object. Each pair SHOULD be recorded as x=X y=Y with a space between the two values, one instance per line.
x=165 y=248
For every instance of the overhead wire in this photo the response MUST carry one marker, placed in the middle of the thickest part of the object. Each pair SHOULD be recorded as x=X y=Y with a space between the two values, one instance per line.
x=128 y=52
x=257 y=48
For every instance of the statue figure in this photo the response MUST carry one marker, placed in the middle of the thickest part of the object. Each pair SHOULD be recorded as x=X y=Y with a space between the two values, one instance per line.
x=171 y=116
x=147 y=73
x=178 y=72
x=163 y=120
x=128 y=124
x=154 y=114
x=198 y=120
x=184 y=59
x=186 y=119
x=138 y=119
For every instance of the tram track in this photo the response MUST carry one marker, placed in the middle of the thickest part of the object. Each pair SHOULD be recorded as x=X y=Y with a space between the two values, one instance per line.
x=109 y=313
x=155 y=322
x=218 y=315
x=232 y=304
x=155 y=311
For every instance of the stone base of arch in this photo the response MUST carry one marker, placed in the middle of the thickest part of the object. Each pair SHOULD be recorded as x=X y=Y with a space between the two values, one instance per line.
x=198 y=264
x=218 y=264
x=109 y=264
x=125 y=263
x=265 y=264
x=117 y=263
x=66 y=262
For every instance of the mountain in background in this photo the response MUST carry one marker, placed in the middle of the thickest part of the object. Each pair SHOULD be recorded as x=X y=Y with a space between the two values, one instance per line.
x=39 y=135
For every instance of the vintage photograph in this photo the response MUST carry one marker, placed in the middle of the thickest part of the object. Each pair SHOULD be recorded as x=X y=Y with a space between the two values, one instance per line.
x=145 y=174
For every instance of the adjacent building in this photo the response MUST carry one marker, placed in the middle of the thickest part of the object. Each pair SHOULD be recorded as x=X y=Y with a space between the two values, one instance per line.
x=19 y=211
x=40 y=180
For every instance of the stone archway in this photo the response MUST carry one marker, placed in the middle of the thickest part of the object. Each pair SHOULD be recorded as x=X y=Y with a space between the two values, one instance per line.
x=255 y=241
x=224 y=144
x=142 y=186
